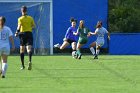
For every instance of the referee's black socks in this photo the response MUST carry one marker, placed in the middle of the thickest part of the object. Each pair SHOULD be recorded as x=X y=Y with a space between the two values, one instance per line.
x=30 y=56
x=22 y=58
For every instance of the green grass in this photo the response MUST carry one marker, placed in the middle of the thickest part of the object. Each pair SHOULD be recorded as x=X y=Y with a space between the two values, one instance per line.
x=62 y=74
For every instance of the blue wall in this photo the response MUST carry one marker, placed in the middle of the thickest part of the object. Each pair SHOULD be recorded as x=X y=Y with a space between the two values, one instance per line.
x=124 y=44
x=89 y=10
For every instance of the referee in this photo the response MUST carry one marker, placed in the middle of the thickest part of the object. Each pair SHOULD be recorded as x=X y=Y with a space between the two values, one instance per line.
x=24 y=31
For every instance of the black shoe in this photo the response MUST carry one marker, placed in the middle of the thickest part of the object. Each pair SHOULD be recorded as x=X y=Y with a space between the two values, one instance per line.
x=79 y=57
x=2 y=76
x=95 y=57
x=22 y=68
x=29 y=66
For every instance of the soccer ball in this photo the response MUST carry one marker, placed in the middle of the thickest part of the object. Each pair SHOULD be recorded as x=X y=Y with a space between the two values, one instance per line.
x=74 y=54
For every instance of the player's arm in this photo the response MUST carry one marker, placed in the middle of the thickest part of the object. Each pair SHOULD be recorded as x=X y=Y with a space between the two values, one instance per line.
x=108 y=34
x=67 y=33
x=94 y=33
x=18 y=27
x=12 y=42
x=76 y=33
x=11 y=39
x=89 y=33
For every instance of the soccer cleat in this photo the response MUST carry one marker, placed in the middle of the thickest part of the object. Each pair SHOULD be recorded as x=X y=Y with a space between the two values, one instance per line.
x=29 y=66
x=2 y=76
x=79 y=57
x=57 y=45
x=22 y=68
x=95 y=57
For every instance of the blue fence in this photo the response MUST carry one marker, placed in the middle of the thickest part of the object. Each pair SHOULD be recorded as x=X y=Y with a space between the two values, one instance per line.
x=124 y=44
x=89 y=10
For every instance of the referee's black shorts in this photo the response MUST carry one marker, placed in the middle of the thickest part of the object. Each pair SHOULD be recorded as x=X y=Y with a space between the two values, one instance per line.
x=26 y=38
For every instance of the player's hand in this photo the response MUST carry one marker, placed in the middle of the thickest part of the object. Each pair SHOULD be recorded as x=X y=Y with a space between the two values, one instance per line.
x=88 y=35
x=108 y=37
x=74 y=33
x=16 y=34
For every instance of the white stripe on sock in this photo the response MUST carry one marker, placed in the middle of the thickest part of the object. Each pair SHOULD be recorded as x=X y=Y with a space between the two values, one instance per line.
x=4 y=68
x=92 y=50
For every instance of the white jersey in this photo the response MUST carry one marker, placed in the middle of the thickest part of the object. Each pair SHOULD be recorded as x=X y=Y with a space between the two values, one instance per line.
x=100 y=35
x=5 y=33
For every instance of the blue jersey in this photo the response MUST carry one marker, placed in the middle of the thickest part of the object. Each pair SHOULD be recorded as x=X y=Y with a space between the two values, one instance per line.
x=69 y=33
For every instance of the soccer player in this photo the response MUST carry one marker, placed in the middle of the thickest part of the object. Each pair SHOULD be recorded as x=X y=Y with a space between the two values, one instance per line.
x=70 y=38
x=5 y=35
x=100 y=32
x=24 y=30
x=83 y=33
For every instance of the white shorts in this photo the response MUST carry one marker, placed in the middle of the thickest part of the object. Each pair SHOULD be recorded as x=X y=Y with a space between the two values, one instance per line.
x=100 y=42
x=5 y=51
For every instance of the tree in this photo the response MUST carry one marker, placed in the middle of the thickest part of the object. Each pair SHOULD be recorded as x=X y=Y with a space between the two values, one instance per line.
x=124 y=16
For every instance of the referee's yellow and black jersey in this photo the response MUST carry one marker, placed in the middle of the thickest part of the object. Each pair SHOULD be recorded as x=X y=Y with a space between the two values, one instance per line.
x=27 y=23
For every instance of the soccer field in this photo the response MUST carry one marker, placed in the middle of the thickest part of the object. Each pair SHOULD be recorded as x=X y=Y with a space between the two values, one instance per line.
x=62 y=74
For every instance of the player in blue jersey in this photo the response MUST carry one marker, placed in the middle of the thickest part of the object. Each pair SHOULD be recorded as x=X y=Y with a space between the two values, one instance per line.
x=100 y=32
x=70 y=38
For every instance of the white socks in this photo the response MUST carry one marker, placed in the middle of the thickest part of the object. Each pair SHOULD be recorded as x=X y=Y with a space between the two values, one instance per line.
x=97 y=52
x=92 y=51
x=4 y=68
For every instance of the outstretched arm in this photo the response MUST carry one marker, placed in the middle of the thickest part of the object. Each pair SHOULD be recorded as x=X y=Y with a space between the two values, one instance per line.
x=108 y=35
x=76 y=33
x=93 y=33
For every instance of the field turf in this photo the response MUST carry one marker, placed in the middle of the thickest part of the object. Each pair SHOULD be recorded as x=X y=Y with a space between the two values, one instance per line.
x=63 y=74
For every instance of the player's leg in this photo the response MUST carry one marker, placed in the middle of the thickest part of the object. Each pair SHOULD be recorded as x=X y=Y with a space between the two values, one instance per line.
x=92 y=45
x=29 y=48
x=22 y=50
x=78 y=50
x=64 y=45
x=73 y=45
x=99 y=44
x=29 y=51
x=98 y=49
x=4 y=65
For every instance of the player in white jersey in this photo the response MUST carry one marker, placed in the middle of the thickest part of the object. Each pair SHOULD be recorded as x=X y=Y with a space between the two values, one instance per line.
x=5 y=36
x=100 y=32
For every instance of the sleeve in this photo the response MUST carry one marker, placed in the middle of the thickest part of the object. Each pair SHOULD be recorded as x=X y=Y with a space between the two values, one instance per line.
x=19 y=21
x=96 y=31
x=68 y=31
x=78 y=30
x=105 y=30
x=10 y=32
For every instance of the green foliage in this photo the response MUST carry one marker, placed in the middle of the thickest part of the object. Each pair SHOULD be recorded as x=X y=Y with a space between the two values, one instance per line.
x=124 y=16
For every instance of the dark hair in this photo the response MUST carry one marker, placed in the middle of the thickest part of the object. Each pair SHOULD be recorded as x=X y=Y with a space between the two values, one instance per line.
x=24 y=8
x=73 y=20
x=3 y=19
x=99 y=24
